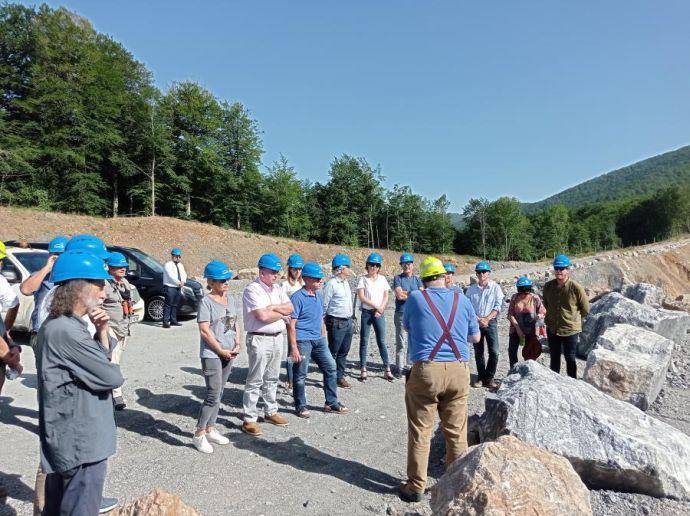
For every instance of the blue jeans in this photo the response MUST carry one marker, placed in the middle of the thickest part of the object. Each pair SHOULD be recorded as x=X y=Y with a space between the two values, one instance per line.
x=318 y=350
x=379 y=324
x=339 y=341
x=173 y=296
x=489 y=335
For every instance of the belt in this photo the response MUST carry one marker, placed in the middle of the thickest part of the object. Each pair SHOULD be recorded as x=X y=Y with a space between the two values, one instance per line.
x=338 y=318
x=262 y=334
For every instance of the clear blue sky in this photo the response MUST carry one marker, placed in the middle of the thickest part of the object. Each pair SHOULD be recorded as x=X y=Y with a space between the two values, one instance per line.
x=464 y=98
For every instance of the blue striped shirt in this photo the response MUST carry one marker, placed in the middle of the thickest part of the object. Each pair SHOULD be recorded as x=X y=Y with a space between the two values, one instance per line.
x=486 y=299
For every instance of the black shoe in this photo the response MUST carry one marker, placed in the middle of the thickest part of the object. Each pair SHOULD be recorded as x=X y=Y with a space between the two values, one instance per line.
x=166 y=325
x=407 y=495
x=119 y=403
x=107 y=505
x=176 y=324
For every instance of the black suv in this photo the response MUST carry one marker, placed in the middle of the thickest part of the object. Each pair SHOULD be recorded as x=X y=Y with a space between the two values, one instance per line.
x=146 y=274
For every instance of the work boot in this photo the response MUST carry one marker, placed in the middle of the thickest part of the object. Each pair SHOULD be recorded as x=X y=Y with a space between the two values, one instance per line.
x=252 y=428
x=166 y=325
x=477 y=384
x=407 y=494
x=119 y=403
x=176 y=324
x=276 y=419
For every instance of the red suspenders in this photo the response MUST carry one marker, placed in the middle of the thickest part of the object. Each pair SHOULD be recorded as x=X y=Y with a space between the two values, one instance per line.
x=445 y=326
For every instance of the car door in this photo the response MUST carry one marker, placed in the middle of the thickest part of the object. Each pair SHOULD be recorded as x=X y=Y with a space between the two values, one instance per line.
x=15 y=274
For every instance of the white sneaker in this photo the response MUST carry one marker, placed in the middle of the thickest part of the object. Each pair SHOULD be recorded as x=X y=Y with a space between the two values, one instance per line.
x=215 y=437
x=201 y=444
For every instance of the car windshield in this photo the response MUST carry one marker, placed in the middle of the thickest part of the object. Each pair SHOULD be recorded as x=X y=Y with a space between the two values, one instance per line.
x=147 y=260
x=32 y=261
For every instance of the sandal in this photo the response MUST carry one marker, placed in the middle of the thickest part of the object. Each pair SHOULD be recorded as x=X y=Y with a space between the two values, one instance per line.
x=389 y=376
x=303 y=413
x=363 y=375
x=338 y=408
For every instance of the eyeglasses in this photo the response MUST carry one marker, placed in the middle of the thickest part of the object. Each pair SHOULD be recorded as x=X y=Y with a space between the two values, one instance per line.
x=558 y=269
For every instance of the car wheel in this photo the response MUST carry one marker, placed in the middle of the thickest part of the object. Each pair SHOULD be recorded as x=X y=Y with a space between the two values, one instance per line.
x=154 y=309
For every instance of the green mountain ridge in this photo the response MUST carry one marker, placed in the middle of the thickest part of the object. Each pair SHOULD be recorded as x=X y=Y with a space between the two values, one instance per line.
x=642 y=178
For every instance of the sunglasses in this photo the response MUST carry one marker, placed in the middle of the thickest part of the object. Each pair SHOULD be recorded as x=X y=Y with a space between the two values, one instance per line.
x=222 y=280
x=482 y=272
x=377 y=265
x=557 y=269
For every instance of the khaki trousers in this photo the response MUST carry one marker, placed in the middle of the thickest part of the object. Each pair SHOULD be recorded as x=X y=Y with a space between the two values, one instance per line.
x=432 y=387
x=116 y=356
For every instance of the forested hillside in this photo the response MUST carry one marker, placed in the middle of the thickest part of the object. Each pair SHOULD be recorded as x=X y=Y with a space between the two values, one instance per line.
x=643 y=178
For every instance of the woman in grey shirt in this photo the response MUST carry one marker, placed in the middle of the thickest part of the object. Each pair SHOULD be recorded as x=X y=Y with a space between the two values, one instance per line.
x=220 y=345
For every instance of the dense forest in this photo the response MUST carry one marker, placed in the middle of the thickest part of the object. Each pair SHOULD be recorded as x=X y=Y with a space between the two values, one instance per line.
x=84 y=129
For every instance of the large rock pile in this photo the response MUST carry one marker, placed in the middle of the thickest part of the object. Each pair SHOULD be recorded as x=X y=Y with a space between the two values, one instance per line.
x=629 y=364
x=509 y=477
x=614 y=308
x=610 y=443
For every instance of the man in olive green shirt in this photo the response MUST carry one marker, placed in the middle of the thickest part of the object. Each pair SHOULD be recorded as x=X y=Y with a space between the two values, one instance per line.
x=566 y=304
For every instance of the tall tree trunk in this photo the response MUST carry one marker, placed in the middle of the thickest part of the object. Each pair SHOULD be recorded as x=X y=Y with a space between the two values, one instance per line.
x=116 y=200
x=188 y=210
x=153 y=186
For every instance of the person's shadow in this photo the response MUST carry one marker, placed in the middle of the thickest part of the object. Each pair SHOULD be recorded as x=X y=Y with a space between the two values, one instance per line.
x=16 y=489
x=9 y=415
x=145 y=424
x=296 y=453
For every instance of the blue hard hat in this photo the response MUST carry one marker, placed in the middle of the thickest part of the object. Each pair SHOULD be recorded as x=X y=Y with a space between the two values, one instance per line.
x=270 y=261
x=482 y=266
x=523 y=281
x=116 y=259
x=375 y=258
x=176 y=251
x=295 y=261
x=57 y=245
x=89 y=243
x=450 y=268
x=561 y=260
x=217 y=270
x=406 y=258
x=340 y=260
x=78 y=264
x=312 y=270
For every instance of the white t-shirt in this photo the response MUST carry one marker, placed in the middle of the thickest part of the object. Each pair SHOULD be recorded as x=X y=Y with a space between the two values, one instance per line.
x=374 y=290
x=291 y=289
x=8 y=297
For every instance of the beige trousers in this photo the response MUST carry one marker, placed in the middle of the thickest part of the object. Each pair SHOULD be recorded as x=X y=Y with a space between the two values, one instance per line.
x=441 y=387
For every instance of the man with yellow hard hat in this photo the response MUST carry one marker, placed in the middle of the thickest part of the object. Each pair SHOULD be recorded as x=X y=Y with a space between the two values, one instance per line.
x=440 y=324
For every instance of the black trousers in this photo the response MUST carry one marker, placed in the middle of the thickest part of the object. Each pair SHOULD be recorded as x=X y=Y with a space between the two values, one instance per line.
x=568 y=347
x=489 y=337
x=77 y=491
x=173 y=296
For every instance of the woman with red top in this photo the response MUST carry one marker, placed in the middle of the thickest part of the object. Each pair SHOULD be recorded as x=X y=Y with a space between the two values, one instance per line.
x=525 y=311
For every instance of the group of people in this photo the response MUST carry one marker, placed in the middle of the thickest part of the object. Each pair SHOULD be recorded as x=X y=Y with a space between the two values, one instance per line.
x=80 y=327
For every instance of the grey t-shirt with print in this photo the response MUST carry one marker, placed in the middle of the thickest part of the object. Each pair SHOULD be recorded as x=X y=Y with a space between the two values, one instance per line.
x=222 y=319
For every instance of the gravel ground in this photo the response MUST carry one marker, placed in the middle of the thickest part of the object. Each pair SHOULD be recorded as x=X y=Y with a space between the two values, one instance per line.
x=330 y=464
